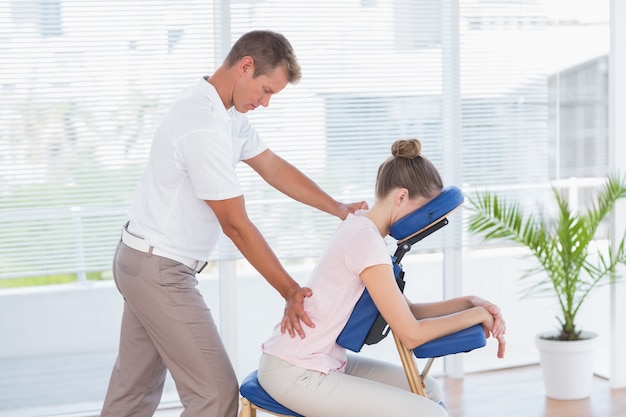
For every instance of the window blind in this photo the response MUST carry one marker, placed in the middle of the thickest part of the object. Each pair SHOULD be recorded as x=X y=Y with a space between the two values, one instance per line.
x=376 y=71
x=84 y=84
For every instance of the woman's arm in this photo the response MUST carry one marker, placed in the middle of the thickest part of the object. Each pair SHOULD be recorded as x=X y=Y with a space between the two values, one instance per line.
x=440 y=308
x=454 y=305
x=413 y=332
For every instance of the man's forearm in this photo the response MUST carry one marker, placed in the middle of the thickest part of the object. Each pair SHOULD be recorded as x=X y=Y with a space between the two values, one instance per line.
x=257 y=251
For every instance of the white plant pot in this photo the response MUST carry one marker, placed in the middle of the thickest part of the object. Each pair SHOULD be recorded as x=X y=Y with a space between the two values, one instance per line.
x=567 y=366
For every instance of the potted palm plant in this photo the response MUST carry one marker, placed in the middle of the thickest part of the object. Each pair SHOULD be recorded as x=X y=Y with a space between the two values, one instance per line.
x=568 y=267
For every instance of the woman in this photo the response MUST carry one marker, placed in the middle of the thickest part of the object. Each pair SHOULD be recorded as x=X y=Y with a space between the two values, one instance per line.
x=316 y=377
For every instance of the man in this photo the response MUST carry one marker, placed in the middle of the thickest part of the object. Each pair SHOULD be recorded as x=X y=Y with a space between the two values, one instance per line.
x=188 y=192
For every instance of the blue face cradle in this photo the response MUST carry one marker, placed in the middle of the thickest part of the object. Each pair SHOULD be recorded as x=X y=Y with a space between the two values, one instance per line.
x=435 y=210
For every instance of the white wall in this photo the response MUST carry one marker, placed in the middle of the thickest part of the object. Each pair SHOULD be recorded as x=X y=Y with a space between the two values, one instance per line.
x=617 y=129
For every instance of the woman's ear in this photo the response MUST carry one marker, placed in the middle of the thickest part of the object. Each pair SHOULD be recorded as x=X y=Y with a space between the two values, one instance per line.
x=401 y=196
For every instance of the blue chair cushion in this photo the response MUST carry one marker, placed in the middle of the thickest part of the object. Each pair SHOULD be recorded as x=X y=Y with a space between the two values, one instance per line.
x=361 y=320
x=253 y=391
x=462 y=341
x=450 y=198
x=353 y=335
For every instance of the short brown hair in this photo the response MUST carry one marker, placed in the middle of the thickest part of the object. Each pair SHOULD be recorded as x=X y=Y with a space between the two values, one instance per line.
x=269 y=50
x=406 y=168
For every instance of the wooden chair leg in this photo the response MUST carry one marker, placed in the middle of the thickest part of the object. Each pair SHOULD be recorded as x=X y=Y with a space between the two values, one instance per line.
x=429 y=364
x=247 y=409
x=410 y=368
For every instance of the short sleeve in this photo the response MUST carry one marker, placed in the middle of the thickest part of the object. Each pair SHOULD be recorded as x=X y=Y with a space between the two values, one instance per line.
x=210 y=160
x=210 y=156
x=368 y=249
x=247 y=136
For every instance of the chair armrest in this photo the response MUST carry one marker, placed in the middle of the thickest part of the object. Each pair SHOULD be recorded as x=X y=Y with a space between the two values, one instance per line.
x=462 y=341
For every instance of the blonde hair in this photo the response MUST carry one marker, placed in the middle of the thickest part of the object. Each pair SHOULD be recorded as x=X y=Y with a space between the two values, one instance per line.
x=406 y=168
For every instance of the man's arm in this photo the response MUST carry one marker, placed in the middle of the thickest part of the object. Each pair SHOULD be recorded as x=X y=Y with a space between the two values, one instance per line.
x=236 y=225
x=289 y=180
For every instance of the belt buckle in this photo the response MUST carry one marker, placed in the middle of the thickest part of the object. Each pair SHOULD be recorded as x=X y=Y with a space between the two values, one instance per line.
x=202 y=267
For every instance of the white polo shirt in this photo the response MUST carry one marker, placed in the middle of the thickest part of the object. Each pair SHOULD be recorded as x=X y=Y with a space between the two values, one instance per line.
x=194 y=153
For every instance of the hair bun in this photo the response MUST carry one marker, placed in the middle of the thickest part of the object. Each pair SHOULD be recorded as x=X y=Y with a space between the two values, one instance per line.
x=406 y=148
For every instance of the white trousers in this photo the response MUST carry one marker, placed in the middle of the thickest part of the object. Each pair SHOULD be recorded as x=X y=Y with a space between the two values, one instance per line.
x=367 y=388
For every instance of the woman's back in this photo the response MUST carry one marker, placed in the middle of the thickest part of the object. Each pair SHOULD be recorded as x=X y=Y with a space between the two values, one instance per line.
x=337 y=286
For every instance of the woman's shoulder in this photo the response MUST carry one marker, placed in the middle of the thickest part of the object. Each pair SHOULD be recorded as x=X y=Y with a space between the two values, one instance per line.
x=359 y=224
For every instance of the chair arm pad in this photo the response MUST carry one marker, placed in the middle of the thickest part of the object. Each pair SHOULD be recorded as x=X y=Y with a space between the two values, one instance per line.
x=461 y=341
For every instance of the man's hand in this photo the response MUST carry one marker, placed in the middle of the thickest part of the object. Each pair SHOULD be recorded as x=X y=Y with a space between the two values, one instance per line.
x=294 y=312
x=345 y=209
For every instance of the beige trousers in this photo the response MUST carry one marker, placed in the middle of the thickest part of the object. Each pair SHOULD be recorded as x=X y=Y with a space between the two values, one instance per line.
x=166 y=324
x=366 y=388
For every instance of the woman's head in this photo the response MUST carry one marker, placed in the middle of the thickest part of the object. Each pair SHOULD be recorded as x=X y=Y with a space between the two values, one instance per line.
x=406 y=168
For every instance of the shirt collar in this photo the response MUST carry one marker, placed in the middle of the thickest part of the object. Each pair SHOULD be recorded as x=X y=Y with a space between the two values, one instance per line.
x=209 y=91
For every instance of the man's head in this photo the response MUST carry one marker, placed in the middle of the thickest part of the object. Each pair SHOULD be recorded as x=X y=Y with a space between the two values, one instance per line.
x=260 y=64
x=269 y=50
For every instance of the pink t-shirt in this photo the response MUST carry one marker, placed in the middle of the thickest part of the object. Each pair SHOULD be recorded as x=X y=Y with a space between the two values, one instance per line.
x=337 y=286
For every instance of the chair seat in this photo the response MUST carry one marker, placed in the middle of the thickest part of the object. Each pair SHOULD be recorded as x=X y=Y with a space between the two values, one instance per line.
x=462 y=341
x=254 y=392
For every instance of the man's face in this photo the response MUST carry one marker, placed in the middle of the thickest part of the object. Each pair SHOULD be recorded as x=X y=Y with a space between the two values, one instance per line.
x=250 y=92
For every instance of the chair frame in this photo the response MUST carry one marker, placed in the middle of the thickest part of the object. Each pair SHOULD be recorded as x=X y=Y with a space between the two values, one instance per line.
x=416 y=380
x=249 y=409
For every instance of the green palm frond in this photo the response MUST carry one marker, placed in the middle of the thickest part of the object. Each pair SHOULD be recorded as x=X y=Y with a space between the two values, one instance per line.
x=561 y=246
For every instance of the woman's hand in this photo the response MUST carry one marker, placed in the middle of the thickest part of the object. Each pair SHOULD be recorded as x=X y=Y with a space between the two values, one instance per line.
x=294 y=312
x=501 y=346
x=498 y=328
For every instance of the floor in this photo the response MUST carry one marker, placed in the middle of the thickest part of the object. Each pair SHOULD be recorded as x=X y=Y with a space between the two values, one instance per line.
x=519 y=392
x=516 y=392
